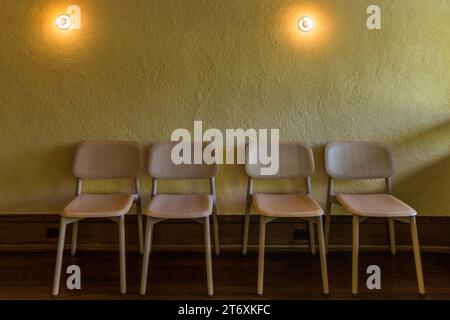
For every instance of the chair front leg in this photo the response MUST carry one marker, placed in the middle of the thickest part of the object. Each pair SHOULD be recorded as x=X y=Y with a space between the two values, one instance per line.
x=355 y=248
x=209 y=277
x=323 y=256
x=59 y=256
x=417 y=259
x=261 y=251
x=147 y=249
x=123 y=275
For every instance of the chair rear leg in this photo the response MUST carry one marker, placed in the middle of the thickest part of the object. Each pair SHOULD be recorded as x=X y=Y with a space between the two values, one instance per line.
x=327 y=230
x=216 y=231
x=73 y=247
x=140 y=226
x=246 y=229
x=312 y=238
x=355 y=248
x=328 y=218
x=392 y=236
x=123 y=273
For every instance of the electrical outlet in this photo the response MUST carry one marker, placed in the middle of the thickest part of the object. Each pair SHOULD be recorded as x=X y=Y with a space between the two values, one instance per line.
x=301 y=234
x=51 y=232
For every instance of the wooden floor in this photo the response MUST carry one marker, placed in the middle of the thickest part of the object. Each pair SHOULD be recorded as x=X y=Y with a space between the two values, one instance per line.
x=289 y=275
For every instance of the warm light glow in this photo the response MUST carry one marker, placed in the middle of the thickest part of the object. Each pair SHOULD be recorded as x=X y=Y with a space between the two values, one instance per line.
x=299 y=32
x=62 y=35
x=305 y=24
x=63 y=22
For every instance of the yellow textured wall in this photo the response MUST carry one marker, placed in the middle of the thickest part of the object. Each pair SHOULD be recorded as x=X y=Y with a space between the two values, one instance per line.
x=139 y=69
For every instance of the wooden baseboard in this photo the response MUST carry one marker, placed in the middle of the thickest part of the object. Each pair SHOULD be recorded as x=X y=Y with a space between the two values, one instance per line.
x=39 y=233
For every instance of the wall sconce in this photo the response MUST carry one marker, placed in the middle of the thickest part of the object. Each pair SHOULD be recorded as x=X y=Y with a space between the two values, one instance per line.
x=69 y=20
x=63 y=22
x=305 y=24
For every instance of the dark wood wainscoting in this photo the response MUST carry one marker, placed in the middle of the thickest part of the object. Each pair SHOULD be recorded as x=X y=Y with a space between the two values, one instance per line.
x=37 y=233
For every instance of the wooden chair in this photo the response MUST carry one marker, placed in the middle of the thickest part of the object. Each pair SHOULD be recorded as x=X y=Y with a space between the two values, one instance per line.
x=368 y=160
x=101 y=160
x=296 y=162
x=198 y=207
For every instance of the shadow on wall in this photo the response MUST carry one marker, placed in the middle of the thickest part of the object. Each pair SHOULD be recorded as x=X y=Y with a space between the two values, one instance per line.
x=424 y=173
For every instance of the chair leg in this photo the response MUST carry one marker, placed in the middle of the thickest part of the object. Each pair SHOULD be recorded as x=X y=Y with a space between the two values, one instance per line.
x=327 y=229
x=355 y=249
x=209 y=277
x=123 y=275
x=392 y=236
x=312 y=240
x=328 y=213
x=216 y=231
x=147 y=249
x=262 y=243
x=140 y=226
x=323 y=256
x=246 y=228
x=59 y=256
x=73 y=248
x=417 y=259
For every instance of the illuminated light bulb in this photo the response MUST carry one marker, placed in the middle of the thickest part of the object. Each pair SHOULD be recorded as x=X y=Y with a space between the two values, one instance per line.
x=63 y=22
x=305 y=24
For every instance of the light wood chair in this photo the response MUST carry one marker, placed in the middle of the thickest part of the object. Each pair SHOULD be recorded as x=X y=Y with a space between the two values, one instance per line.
x=198 y=207
x=101 y=160
x=296 y=161
x=361 y=161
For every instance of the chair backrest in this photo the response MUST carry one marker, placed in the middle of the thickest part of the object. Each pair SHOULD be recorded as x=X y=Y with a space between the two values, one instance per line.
x=359 y=160
x=107 y=160
x=296 y=160
x=161 y=166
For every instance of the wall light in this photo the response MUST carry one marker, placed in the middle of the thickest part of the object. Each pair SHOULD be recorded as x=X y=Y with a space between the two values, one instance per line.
x=63 y=22
x=305 y=24
x=71 y=19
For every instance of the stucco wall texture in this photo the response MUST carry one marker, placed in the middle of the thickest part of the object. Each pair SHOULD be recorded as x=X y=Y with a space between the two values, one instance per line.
x=137 y=70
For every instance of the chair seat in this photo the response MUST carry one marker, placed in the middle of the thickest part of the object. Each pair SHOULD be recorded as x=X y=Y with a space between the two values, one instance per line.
x=375 y=205
x=286 y=205
x=180 y=206
x=99 y=206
